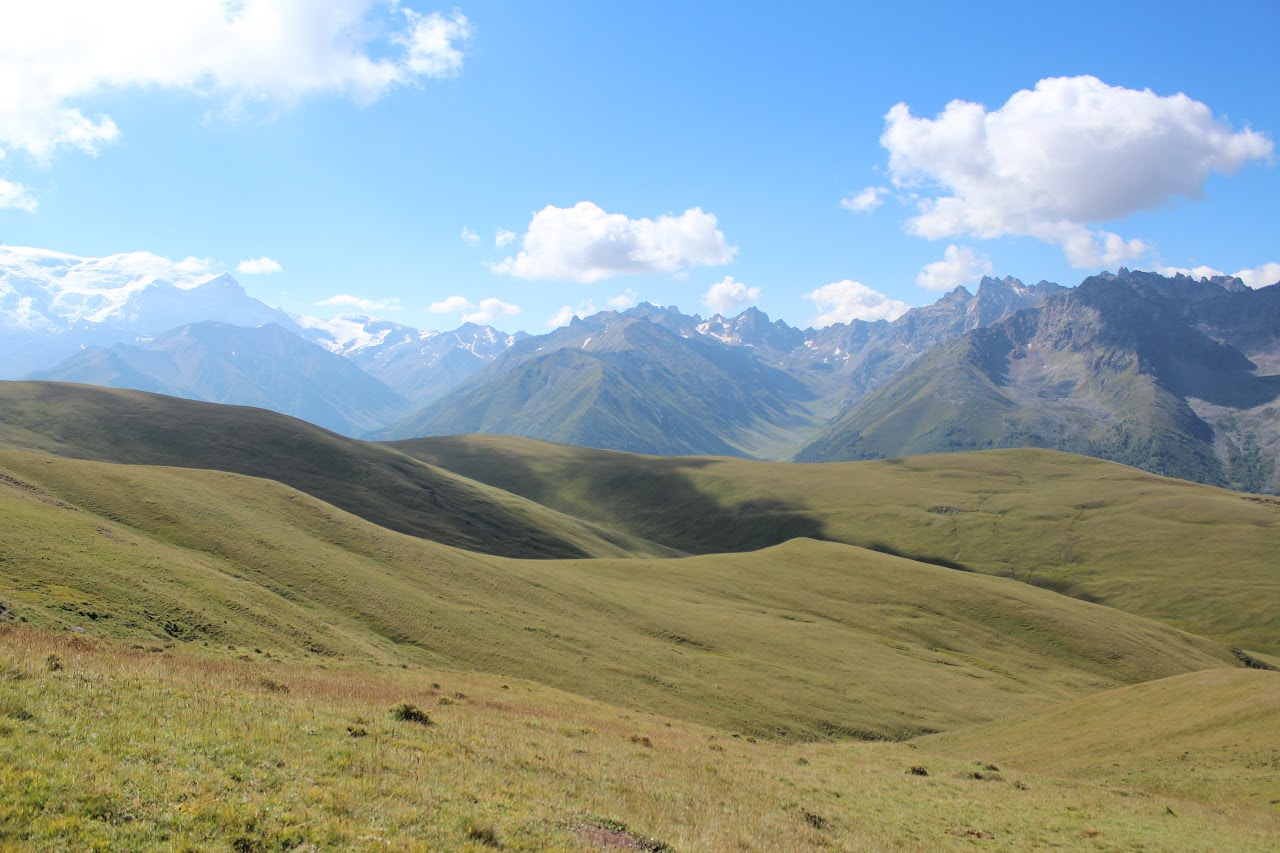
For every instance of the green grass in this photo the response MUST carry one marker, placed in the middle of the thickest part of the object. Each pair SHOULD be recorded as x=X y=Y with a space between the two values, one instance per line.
x=809 y=639
x=1213 y=736
x=124 y=749
x=368 y=480
x=1196 y=557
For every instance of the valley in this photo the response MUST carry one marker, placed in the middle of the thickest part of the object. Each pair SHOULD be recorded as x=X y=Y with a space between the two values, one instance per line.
x=863 y=655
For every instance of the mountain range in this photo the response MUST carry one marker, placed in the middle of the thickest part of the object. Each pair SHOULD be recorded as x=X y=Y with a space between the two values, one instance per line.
x=1173 y=374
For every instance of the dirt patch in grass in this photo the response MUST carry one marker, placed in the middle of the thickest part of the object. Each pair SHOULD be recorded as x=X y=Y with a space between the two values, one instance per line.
x=611 y=835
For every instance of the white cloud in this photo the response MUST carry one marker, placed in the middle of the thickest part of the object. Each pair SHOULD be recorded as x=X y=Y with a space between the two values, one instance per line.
x=843 y=301
x=491 y=310
x=865 y=201
x=346 y=300
x=16 y=196
x=959 y=265
x=452 y=305
x=568 y=312
x=470 y=237
x=1263 y=276
x=728 y=295
x=502 y=237
x=624 y=300
x=1055 y=160
x=583 y=243
x=258 y=266
x=55 y=56
x=1195 y=272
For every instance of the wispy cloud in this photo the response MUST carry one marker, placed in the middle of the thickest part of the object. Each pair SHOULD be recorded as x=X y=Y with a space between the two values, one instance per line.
x=491 y=311
x=54 y=57
x=451 y=305
x=360 y=303
x=258 y=266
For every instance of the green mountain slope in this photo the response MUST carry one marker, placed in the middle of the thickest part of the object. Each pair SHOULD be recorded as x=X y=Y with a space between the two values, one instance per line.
x=624 y=383
x=1194 y=556
x=1137 y=369
x=1208 y=734
x=373 y=482
x=807 y=639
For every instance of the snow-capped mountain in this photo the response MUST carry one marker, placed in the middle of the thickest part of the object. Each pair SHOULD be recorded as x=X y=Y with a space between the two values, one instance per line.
x=419 y=365
x=52 y=304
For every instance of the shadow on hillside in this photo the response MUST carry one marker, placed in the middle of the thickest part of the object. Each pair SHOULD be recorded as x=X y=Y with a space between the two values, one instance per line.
x=661 y=503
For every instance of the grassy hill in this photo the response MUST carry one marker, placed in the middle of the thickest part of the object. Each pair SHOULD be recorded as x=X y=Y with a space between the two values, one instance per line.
x=1210 y=735
x=1194 y=556
x=807 y=639
x=373 y=482
x=112 y=748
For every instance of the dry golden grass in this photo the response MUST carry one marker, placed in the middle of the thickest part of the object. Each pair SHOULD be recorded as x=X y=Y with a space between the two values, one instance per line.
x=109 y=748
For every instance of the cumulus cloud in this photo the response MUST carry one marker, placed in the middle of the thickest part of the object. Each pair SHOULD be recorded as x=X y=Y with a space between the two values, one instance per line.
x=584 y=243
x=865 y=201
x=1263 y=276
x=470 y=237
x=55 y=56
x=728 y=295
x=568 y=312
x=843 y=301
x=258 y=266
x=959 y=265
x=1058 y=159
x=502 y=237
x=360 y=303
x=624 y=300
x=491 y=310
x=16 y=196
x=451 y=305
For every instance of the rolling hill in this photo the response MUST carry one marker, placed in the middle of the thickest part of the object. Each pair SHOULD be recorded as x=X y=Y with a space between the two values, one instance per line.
x=1194 y=556
x=807 y=639
x=375 y=483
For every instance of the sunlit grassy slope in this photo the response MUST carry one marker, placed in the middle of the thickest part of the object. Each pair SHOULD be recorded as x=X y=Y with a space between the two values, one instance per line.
x=1211 y=735
x=110 y=748
x=371 y=481
x=806 y=639
x=1203 y=559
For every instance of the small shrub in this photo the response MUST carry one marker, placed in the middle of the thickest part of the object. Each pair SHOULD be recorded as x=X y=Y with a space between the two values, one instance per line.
x=485 y=835
x=917 y=770
x=409 y=713
x=815 y=820
x=53 y=663
x=273 y=686
x=357 y=731
x=642 y=741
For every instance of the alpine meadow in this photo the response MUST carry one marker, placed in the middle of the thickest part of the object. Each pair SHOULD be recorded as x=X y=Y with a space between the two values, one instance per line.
x=624 y=427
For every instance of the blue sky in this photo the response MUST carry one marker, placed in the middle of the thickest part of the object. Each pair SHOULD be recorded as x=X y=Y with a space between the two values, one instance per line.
x=707 y=155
